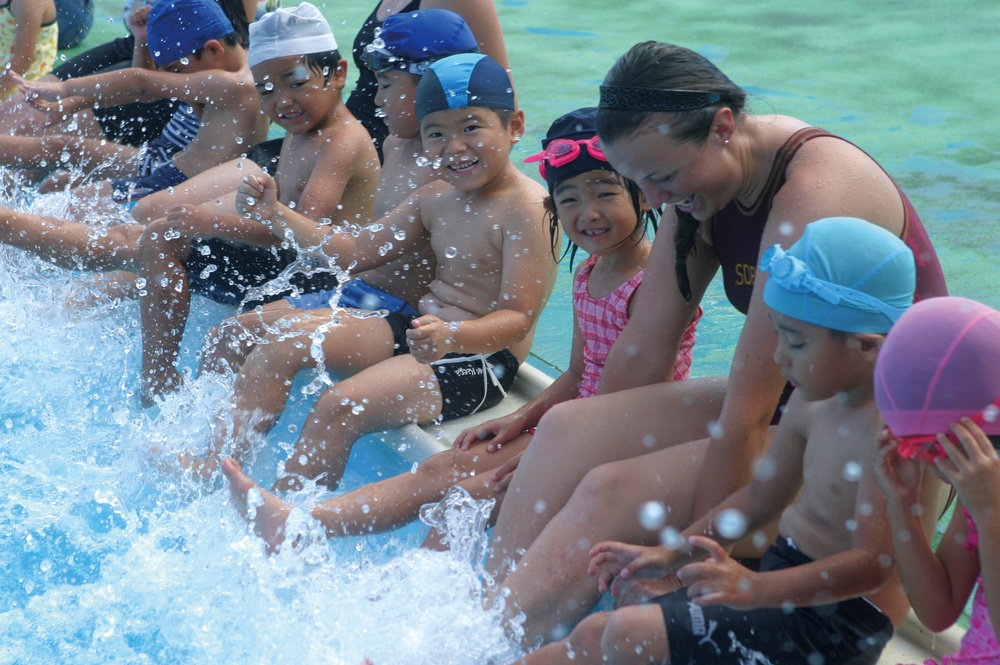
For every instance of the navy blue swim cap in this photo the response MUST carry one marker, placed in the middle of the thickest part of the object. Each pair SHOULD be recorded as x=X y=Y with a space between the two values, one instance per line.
x=410 y=41
x=464 y=80
x=578 y=125
x=178 y=28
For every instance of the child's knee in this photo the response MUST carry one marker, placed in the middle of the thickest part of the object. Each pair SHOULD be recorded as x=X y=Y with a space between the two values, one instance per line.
x=630 y=635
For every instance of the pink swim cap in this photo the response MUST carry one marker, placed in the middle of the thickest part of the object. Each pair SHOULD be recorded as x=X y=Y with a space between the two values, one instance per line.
x=940 y=363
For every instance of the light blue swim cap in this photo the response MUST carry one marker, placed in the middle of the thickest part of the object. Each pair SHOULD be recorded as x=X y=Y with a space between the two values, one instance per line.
x=843 y=274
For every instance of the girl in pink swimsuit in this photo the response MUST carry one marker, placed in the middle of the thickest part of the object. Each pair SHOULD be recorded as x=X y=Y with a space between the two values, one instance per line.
x=938 y=390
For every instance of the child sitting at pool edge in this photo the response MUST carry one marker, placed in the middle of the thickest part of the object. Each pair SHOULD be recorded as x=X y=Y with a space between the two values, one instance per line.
x=199 y=60
x=826 y=590
x=408 y=43
x=600 y=212
x=495 y=270
x=327 y=170
x=938 y=373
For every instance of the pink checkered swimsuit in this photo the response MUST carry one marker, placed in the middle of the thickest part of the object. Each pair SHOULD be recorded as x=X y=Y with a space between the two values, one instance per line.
x=979 y=646
x=601 y=320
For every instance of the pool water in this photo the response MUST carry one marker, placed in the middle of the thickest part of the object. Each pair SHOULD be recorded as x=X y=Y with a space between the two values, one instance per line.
x=107 y=560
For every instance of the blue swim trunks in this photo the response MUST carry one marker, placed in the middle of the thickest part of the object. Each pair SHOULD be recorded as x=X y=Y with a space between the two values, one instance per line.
x=355 y=293
x=129 y=190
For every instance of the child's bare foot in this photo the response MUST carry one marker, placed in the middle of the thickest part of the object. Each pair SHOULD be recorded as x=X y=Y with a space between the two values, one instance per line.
x=266 y=511
x=164 y=380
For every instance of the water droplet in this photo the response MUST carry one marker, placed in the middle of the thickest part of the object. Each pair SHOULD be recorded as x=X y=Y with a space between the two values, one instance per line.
x=652 y=515
x=852 y=471
x=539 y=507
x=731 y=523
x=450 y=252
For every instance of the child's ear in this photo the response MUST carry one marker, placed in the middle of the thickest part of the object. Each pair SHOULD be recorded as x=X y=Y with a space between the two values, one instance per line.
x=516 y=126
x=214 y=49
x=339 y=75
x=643 y=203
x=549 y=205
x=870 y=343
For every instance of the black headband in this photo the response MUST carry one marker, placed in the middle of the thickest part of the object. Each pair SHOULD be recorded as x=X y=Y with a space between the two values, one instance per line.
x=650 y=99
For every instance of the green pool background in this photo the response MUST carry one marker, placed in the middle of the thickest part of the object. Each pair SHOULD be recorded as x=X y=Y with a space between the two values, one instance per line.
x=914 y=83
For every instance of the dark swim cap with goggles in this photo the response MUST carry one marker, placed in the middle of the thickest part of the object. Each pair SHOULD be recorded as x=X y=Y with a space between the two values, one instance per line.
x=571 y=147
x=410 y=42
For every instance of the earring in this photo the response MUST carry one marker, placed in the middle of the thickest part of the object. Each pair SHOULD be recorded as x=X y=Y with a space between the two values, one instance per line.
x=725 y=141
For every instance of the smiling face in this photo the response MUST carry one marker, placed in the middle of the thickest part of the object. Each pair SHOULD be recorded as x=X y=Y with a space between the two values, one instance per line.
x=396 y=90
x=595 y=211
x=694 y=176
x=472 y=145
x=295 y=96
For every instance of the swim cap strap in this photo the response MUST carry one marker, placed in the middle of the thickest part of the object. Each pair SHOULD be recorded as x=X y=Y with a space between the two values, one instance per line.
x=794 y=275
x=650 y=99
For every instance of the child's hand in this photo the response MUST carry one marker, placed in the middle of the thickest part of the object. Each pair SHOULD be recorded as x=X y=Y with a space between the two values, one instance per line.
x=719 y=580
x=610 y=560
x=137 y=23
x=430 y=338
x=505 y=474
x=973 y=469
x=898 y=477
x=498 y=430
x=59 y=111
x=257 y=199
x=34 y=91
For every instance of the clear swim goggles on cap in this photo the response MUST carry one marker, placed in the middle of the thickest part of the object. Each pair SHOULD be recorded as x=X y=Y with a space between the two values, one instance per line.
x=560 y=152
x=928 y=448
x=792 y=274
x=379 y=59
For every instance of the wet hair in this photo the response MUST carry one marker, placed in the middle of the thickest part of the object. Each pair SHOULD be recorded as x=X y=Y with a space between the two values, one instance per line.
x=237 y=15
x=643 y=219
x=323 y=63
x=662 y=66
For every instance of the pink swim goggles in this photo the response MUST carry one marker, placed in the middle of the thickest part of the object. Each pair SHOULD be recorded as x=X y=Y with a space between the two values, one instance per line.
x=560 y=152
x=926 y=446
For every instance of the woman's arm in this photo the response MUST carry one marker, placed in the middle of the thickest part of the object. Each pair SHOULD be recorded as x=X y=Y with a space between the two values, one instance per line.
x=646 y=350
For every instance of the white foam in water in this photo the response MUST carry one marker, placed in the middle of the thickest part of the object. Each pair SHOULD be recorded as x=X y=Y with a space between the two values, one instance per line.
x=107 y=559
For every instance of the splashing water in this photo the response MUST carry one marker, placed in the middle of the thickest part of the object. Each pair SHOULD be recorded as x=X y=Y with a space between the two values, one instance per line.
x=109 y=559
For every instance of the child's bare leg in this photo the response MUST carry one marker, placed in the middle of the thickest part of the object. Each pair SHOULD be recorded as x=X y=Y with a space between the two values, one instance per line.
x=262 y=386
x=72 y=245
x=228 y=344
x=574 y=437
x=164 y=305
x=550 y=584
x=394 y=502
x=269 y=517
x=389 y=394
x=208 y=187
x=636 y=635
x=581 y=647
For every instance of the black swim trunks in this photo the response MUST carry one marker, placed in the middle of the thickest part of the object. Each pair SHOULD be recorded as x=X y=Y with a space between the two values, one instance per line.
x=225 y=271
x=851 y=632
x=469 y=382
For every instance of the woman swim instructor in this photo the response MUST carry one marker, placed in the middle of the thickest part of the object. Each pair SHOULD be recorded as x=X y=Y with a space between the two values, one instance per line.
x=734 y=184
